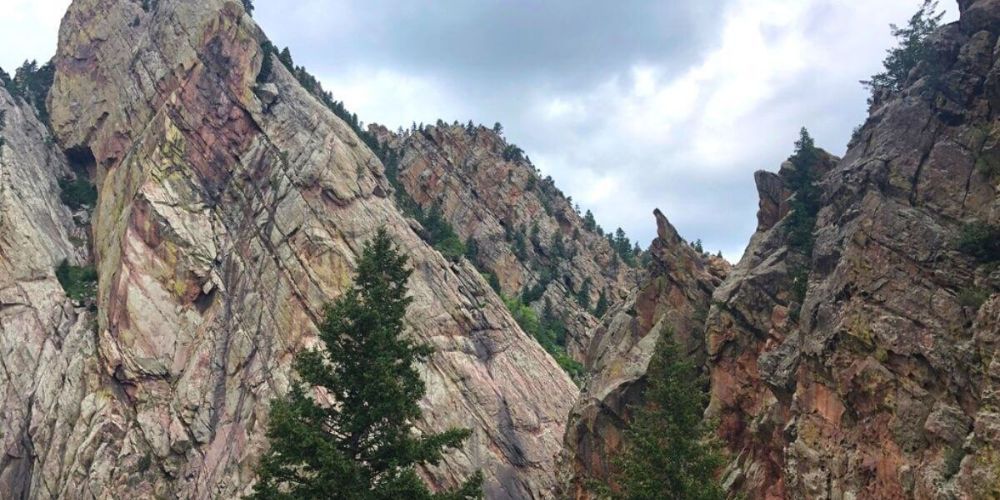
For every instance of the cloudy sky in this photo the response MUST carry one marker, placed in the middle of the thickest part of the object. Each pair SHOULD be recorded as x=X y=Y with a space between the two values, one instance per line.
x=629 y=105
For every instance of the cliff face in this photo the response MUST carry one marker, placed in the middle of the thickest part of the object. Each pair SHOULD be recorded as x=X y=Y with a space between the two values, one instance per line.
x=883 y=385
x=673 y=300
x=46 y=341
x=229 y=212
x=495 y=199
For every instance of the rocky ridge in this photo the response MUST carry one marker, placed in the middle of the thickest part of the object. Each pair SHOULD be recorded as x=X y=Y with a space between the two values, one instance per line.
x=46 y=340
x=673 y=300
x=867 y=368
x=527 y=233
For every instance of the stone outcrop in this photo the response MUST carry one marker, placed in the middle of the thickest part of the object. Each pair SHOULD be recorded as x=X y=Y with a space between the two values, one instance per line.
x=229 y=212
x=46 y=341
x=881 y=381
x=493 y=196
x=673 y=300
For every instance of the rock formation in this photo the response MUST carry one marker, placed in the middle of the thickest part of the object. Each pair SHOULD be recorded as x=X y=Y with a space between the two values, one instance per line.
x=46 y=341
x=232 y=202
x=673 y=300
x=880 y=382
x=494 y=197
x=229 y=212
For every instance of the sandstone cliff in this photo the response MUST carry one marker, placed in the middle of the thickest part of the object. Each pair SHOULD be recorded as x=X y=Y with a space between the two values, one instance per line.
x=673 y=300
x=229 y=212
x=527 y=233
x=867 y=367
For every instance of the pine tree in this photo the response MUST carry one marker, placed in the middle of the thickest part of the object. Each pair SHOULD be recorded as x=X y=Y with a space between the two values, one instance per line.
x=286 y=58
x=362 y=447
x=913 y=48
x=669 y=452
x=583 y=295
x=589 y=223
x=602 y=305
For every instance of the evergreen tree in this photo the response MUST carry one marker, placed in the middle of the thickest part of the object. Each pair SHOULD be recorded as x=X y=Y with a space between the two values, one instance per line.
x=669 y=451
x=913 y=48
x=286 y=58
x=583 y=295
x=472 y=251
x=267 y=63
x=698 y=247
x=806 y=202
x=589 y=223
x=558 y=247
x=497 y=128
x=602 y=305
x=248 y=6
x=362 y=447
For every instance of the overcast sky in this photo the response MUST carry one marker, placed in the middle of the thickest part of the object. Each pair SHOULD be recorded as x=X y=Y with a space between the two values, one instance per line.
x=629 y=105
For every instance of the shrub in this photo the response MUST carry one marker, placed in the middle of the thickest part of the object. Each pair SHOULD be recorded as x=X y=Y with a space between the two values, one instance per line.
x=988 y=167
x=80 y=283
x=981 y=241
x=77 y=192
x=513 y=153
x=602 y=305
x=494 y=282
x=549 y=331
x=267 y=64
x=583 y=295
x=972 y=297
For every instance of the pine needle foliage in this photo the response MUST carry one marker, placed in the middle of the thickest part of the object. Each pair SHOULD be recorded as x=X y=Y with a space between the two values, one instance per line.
x=669 y=449
x=363 y=446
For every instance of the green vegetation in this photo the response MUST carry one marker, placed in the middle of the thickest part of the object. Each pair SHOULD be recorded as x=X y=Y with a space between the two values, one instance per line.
x=513 y=153
x=267 y=65
x=491 y=278
x=77 y=192
x=248 y=6
x=31 y=84
x=669 y=450
x=602 y=305
x=440 y=234
x=953 y=461
x=988 y=167
x=698 y=246
x=981 y=241
x=363 y=447
x=589 y=222
x=549 y=331
x=801 y=219
x=972 y=297
x=913 y=47
x=312 y=85
x=805 y=203
x=623 y=247
x=583 y=295
x=80 y=283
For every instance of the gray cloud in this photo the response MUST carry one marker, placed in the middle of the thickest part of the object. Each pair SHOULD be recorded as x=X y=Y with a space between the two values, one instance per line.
x=495 y=43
